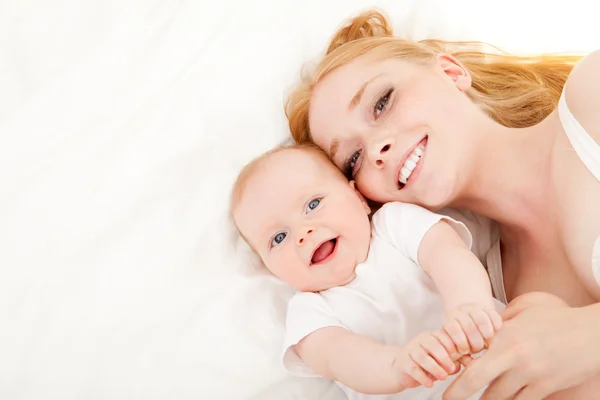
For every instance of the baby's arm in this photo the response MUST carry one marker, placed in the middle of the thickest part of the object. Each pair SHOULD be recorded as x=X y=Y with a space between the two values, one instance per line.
x=373 y=368
x=456 y=271
x=464 y=284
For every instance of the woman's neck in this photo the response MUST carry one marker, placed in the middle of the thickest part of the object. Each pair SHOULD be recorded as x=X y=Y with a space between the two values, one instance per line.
x=512 y=180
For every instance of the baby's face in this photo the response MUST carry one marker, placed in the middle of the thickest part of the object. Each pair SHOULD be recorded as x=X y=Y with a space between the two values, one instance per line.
x=305 y=220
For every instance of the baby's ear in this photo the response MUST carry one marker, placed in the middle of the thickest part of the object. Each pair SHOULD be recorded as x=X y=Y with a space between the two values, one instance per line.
x=361 y=197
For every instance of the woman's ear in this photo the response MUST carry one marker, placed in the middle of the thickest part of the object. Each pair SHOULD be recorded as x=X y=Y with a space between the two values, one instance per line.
x=455 y=71
x=361 y=197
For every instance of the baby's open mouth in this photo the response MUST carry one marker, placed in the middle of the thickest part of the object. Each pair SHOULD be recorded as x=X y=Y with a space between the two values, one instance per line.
x=324 y=251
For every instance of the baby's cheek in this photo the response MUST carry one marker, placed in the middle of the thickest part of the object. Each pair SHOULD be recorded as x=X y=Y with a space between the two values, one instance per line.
x=283 y=266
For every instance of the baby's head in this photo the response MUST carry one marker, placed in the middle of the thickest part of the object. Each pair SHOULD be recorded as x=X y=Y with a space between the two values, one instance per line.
x=302 y=217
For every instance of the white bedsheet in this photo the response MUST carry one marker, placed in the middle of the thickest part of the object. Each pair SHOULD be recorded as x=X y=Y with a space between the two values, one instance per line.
x=122 y=126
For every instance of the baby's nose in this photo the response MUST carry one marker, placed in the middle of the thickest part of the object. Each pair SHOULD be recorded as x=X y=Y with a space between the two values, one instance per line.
x=305 y=234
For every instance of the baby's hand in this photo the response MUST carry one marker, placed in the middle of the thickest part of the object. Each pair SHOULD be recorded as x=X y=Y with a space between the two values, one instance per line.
x=429 y=357
x=471 y=325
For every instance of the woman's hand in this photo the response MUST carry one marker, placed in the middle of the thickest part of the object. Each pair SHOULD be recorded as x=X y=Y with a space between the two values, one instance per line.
x=543 y=347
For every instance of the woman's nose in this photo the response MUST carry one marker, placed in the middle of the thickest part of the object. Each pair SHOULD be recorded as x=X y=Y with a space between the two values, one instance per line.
x=379 y=152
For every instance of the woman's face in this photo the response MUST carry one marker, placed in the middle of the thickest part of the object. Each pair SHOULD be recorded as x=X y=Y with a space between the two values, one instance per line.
x=402 y=130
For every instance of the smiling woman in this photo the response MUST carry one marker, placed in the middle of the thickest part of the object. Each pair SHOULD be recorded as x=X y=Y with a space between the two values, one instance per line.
x=443 y=124
x=395 y=87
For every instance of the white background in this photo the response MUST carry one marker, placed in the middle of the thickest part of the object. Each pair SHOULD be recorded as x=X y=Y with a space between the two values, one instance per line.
x=122 y=126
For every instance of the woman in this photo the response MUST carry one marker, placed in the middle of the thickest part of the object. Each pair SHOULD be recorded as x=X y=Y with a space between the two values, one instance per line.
x=495 y=144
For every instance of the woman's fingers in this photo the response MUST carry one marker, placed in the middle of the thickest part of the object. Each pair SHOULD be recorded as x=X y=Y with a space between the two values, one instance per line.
x=506 y=386
x=478 y=375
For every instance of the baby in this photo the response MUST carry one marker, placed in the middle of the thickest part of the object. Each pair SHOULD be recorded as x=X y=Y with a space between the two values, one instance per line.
x=383 y=305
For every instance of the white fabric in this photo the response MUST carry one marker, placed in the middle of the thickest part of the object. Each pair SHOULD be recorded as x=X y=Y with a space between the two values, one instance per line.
x=596 y=260
x=584 y=145
x=406 y=225
x=122 y=125
x=589 y=152
x=493 y=264
x=391 y=300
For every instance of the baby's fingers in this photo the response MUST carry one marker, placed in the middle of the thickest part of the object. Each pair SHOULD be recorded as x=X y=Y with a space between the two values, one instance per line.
x=408 y=382
x=447 y=342
x=472 y=332
x=495 y=318
x=465 y=360
x=456 y=333
x=414 y=373
x=484 y=324
x=436 y=346
x=427 y=363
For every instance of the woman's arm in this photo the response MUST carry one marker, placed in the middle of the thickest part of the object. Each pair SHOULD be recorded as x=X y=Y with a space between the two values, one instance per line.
x=544 y=347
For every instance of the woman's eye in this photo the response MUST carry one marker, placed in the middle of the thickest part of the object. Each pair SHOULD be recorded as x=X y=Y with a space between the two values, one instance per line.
x=313 y=204
x=354 y=159
x=351 y=164
x=278 y=239
x=382 y=103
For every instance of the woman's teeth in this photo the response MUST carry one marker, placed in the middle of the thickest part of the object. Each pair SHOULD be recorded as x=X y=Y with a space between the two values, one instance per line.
x=410 y=164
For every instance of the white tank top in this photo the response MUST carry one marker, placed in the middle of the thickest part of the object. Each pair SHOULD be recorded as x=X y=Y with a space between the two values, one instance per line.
x=589 y=152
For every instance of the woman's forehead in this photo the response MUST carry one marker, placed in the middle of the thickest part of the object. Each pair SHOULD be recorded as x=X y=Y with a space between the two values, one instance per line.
x=355 y=73
x=340 y=91
x=351 y=75
x=342 y=88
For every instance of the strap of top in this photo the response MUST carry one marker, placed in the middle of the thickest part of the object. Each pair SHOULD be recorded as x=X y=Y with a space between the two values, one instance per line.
x=585 y=146
x=494 y=268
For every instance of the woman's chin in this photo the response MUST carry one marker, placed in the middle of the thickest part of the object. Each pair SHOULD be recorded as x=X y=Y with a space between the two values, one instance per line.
x=432 y=199
x=432 y=195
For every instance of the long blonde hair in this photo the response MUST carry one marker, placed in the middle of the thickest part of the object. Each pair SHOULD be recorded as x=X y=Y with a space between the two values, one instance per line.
x=515 y=91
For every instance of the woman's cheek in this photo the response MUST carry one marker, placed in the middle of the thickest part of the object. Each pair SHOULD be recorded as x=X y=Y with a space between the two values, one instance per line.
x=372 y=188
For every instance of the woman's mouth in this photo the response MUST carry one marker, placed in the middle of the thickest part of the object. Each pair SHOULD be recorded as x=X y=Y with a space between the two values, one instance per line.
x=411 y=164
x=324 y=252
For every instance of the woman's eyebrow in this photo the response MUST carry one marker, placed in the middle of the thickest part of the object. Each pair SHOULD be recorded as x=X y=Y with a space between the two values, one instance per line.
x=356 y=99
x=335 y=145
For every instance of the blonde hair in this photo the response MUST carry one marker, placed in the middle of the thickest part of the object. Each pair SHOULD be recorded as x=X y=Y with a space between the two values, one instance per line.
x=515 y=91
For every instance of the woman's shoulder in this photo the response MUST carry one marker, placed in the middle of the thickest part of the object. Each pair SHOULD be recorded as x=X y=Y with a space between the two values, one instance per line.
x=582 y=93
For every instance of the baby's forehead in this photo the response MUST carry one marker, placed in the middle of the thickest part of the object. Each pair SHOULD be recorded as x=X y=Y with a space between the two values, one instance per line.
x=288 y=174
x=299 y=162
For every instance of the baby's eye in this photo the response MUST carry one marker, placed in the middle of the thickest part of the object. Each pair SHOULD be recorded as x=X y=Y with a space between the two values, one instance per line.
x=278 y=239
x=313 y=204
